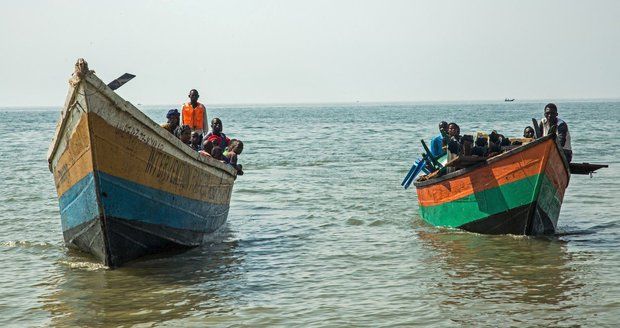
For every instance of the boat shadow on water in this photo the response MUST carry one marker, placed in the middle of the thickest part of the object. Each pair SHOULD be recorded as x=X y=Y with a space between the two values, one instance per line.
x=155 y=289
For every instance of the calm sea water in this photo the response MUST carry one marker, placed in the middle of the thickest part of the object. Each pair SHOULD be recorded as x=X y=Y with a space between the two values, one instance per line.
x=320 y=233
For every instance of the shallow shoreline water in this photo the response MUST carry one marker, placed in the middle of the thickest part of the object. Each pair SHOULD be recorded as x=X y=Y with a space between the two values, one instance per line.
x=320 y=233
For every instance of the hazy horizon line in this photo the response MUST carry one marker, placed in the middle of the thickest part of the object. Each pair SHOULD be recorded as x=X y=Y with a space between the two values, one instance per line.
x=228 y=104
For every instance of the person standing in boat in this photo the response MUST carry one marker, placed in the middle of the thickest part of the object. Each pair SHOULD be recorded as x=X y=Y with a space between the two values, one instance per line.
x=439 y=141
x=194 y=113
x=454 y=141
x=550 y=120
x=172 y=125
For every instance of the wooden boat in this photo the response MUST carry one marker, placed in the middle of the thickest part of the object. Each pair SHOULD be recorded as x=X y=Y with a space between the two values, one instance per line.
x=517 y=192
x=126 y=186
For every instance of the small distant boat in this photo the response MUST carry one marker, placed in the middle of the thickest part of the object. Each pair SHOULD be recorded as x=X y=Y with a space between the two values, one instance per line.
x=126 y=186
x=518 y=192
x=509 y=99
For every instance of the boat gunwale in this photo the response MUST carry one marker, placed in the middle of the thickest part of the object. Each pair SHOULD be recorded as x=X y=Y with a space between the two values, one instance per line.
x=494 y=159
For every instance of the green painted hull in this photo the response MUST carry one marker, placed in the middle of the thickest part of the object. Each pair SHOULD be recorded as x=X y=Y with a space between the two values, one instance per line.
x=530 y=206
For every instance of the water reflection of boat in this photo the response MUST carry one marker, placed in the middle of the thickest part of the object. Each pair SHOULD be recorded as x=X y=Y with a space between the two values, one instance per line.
x=500 y=269
x=153 y=291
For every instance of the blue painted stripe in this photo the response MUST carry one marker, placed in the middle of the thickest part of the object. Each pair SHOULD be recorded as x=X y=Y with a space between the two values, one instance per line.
x=132 y=201
x=79 y=203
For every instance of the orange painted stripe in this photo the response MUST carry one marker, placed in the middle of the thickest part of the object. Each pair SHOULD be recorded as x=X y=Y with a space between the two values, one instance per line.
x=123 y=155
x=510 y=169
x=76 y=160
x=557 y=174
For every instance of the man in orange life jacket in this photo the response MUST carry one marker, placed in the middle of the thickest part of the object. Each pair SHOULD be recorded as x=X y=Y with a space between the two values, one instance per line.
x=194 y=113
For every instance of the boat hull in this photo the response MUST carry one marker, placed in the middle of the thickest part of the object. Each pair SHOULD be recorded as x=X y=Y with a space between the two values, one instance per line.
x=126 y=186
x=519 y=192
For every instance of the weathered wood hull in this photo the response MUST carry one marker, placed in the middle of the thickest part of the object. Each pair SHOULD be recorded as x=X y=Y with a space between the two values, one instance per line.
x=126 y=186
x=519 y=192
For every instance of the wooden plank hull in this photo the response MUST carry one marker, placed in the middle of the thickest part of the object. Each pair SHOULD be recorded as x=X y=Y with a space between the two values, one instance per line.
x=519 y=192
x=126 y=186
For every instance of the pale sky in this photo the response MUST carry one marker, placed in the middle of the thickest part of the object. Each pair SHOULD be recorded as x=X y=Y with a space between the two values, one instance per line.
x=313 y=51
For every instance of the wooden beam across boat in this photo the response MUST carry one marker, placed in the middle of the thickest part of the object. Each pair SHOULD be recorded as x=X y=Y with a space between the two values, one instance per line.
x=465 y=161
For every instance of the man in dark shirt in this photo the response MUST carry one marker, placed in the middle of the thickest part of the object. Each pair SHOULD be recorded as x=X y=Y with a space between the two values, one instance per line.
x=438 y=141
x=173 y=122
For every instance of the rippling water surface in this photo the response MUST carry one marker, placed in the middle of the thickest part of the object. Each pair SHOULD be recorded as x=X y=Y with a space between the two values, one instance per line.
x=320 y=233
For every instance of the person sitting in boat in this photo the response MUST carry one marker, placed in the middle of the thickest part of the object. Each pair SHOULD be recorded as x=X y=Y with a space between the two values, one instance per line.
x=217 y=153
x=196 y=141
x=467 y=142
x=551 y=120
x=194 y=113
x=495 y=147
x=480 y=148
x=454 y=141
x=172 y=125
x=207 y=147
x=440 y=140
x=186 y=135
x=216 y=135
x=528 y=132
x=503 y=141
x=232 y=152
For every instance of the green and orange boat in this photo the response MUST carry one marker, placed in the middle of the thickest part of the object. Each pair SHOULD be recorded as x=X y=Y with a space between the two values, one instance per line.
x=518 y=192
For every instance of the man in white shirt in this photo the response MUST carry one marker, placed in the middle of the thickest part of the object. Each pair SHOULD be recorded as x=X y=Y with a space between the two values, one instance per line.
x=551 y=119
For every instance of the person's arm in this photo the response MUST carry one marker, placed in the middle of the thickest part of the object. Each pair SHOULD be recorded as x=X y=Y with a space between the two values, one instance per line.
x=561 y=133
x=436 y=145
x=205 y=123
x=181 y=115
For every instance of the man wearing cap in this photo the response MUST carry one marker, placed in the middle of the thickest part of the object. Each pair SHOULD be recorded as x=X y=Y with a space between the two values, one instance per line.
x=550 y=120
x=173 y=122
x=194 y=113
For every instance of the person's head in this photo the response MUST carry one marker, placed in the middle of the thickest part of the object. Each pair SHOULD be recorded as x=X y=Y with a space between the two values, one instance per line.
x=196 y=138
x=193 y=96
x=467 y=139
x=493 y=137
x=454 y=130
x=207 y=146
x=551 y=113
x=443 y=127
x=186 y=134
x=528 y=132
x=173 y=117
x=236 y=146
x=217 y=152
x=216 y=125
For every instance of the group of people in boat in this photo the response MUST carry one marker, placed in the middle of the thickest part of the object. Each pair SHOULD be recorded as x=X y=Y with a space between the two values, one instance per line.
x=194 y=132
x=450 y=139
